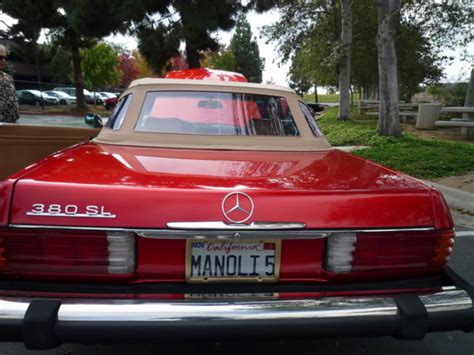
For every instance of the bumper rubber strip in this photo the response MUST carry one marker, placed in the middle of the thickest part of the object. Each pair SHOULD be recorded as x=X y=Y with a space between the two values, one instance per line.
x=39 y=325
x=414 y=317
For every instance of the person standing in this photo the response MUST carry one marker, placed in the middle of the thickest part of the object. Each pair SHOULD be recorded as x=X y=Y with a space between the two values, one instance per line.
x=8 y=100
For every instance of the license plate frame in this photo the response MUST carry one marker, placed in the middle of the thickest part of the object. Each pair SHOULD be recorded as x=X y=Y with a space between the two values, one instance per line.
x=229 y=279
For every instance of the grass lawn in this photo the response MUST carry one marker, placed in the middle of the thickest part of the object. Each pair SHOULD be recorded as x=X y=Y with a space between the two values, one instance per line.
x=327 y=98
x=421 y=158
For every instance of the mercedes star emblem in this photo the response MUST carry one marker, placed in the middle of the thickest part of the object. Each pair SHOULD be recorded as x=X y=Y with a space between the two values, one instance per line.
x=237 y=207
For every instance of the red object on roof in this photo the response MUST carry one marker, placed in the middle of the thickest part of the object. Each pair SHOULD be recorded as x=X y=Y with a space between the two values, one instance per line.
x=206 y=74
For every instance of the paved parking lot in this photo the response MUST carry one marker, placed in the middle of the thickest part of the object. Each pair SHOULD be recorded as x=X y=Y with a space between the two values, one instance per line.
x=53 y=120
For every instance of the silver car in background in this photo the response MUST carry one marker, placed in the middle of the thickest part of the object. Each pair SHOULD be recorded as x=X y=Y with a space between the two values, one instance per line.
x=63 y=98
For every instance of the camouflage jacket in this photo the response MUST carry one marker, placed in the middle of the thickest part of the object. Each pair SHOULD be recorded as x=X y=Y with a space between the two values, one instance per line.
x=8 y=100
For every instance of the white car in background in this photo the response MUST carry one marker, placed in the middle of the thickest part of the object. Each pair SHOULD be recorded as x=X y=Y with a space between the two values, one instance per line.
x=63 y=98
x=89 y=97
x=109 y=95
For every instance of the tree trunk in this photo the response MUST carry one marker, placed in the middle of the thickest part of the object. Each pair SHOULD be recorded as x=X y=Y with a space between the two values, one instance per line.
x=345 y=61
x=316 y=93
x=38 y=72
x=469 y=100
x=192 y=53
x=389 y=22
x=193 y=57
x=78 y=79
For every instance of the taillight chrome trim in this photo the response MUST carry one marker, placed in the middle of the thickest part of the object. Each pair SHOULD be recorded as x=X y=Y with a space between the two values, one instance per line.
x=228 y=234
x=224 y=226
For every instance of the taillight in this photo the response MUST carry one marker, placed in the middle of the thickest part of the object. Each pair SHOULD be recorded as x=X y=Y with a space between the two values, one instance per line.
x=377 y=251
x=45 y=252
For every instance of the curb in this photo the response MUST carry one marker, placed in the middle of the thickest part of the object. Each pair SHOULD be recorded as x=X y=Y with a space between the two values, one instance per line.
x=457 y=199
x=33 y=113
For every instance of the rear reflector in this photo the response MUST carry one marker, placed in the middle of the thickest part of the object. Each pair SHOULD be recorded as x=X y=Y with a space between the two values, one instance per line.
x=353 y=252
x=340 y=249
x=49 y=252
x=121 y=253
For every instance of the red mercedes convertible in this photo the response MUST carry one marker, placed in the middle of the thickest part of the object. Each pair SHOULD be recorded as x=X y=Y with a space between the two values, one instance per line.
x=213 y=209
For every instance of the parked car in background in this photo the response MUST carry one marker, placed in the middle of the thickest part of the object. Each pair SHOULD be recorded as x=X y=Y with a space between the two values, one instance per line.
x=35 y=97
x=100 y=95
x=215 y=209
x=63 y=98
x=110 y=103
x=109 y=95
x=88 y=96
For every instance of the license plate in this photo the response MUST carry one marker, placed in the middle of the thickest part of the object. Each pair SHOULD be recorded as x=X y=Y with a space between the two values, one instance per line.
x=228 y=261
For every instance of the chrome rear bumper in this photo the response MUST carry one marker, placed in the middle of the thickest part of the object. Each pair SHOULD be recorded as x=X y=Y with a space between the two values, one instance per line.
x=45 y=323
x=205 y=311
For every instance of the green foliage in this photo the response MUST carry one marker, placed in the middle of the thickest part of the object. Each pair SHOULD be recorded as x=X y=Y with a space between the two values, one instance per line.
x=246 y=52
x=308 y=33
x=158 y=44
x=60 y=66
x=414 y=156
x=356 y=131
x=422 y=158
x=417 y=60
x=328 y=98
x=449 y=94
x=100 y=66
x=193 y=24
x=224 y=60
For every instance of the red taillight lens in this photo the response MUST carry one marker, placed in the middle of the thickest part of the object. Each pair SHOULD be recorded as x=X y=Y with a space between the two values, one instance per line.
x=375 y=251
x=33 y=252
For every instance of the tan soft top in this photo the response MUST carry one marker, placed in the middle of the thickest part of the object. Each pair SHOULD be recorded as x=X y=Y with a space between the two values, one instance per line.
x=126 y=134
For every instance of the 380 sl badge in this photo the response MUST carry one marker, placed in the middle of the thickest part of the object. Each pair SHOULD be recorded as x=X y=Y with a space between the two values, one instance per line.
x=57 y=210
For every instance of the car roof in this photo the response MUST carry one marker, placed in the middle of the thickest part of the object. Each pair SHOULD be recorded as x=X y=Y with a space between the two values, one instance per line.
x=216 y=83
x=127 y=135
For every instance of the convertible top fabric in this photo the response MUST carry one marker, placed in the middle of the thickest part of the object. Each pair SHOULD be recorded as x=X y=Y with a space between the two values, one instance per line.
x=127 y=135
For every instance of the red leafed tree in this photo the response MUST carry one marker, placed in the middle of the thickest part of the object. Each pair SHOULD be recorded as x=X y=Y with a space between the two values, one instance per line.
x=179 y=62
x=128 y=67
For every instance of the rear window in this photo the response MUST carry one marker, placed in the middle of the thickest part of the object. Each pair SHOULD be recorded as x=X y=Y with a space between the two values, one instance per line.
x=216 y=113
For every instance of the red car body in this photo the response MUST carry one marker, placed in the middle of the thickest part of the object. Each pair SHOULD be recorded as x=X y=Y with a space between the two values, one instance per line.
x=100 y=237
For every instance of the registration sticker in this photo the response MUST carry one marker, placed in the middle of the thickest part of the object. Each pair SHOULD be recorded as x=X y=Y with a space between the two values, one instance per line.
x=229 y=261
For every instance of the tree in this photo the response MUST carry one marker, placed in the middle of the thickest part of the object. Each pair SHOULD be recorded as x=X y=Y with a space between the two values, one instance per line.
x=79 y=27
x=143 y=67
x=224 y=60
x=389 y=23
x=60 y=66
x=178 y=62
x=345 y=61
x=246 y=52
x=100 y=66
x=469 y=100
x=308 y=32
x=32 y=16
x=128 y=67
x=183 y=21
